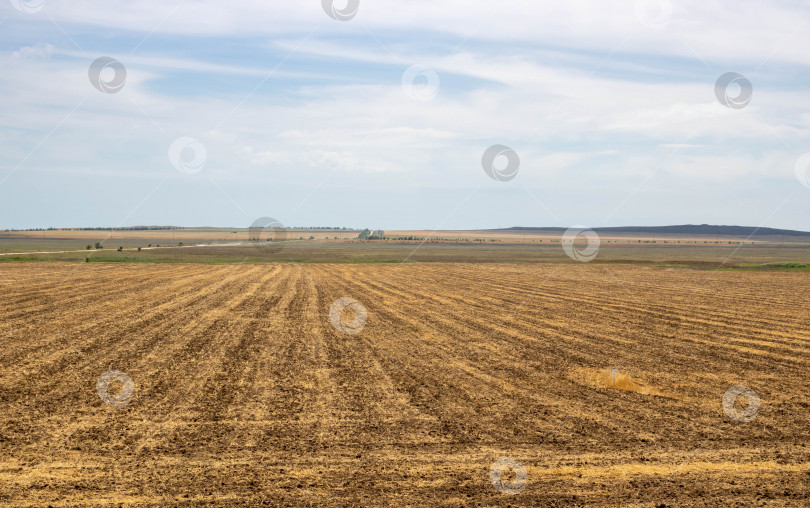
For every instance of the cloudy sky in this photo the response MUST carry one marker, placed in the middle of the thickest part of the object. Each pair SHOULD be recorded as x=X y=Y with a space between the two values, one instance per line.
x=378 y=113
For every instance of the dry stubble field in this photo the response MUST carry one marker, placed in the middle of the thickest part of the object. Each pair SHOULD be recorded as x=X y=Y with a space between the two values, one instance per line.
x=244 y=392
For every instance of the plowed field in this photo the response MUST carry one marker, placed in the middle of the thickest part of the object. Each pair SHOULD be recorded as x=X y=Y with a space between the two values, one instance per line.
x=245 y=392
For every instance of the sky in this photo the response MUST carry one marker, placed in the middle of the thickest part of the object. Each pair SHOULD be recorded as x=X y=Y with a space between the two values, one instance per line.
x=384 y=114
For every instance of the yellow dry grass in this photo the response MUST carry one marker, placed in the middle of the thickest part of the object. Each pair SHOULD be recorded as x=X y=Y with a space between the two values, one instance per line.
x=612 y=378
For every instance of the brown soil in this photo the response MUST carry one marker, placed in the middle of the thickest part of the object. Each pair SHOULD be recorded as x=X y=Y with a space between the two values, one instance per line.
x=245 y=393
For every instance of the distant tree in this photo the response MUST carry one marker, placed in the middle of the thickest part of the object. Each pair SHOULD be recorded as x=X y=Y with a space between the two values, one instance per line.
x=120 y=248
x=311 y=237
x=99 y=246
x=88 y=247
x=139 y=249
x=180 y=244
x=364 y=234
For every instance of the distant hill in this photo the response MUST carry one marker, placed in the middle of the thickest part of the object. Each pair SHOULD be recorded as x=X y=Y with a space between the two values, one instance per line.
x=685 y=229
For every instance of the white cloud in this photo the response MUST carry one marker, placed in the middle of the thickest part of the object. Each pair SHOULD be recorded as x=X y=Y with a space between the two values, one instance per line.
x=541 y=77
x=37 y=51
x=715 y=30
